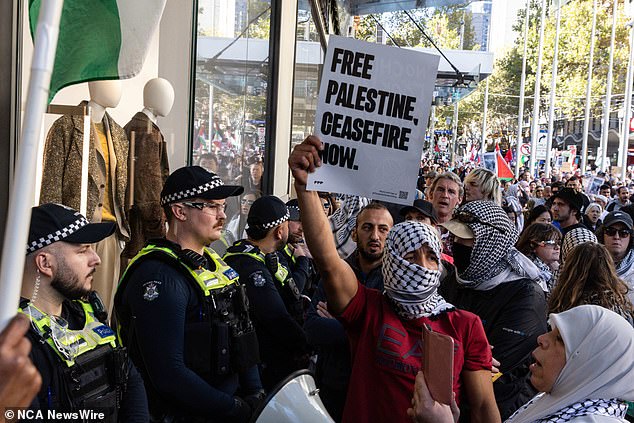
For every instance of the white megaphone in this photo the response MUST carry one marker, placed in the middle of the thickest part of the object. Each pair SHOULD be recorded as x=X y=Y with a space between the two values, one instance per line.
x=295 y=399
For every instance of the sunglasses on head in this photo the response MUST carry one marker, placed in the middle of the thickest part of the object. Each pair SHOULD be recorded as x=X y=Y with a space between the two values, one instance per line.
x=623 y=233
x=466 y=217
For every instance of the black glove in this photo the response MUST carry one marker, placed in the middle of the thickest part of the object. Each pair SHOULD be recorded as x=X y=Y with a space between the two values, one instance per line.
x=241 y=412
x=255 y=399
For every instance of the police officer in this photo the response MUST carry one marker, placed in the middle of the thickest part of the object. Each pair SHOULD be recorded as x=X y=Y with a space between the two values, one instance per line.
x=83 y=367
x=183 y=313
x=275 y=301
x=295 y=255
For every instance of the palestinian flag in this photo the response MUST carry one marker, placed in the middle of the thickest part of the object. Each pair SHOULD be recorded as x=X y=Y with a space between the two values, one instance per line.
x=100 y=39
x=504 y=171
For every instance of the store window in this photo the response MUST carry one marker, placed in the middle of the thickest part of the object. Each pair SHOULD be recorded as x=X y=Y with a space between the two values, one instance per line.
x=232 y=70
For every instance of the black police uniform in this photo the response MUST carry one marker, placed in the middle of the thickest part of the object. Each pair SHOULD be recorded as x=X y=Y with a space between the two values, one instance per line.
x=97 y=378
x=302 y=269
x=275 y=308
x=194 y=344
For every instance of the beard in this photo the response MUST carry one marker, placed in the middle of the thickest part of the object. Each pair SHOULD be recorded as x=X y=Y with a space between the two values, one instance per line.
x=67 y=283
x=370 y=256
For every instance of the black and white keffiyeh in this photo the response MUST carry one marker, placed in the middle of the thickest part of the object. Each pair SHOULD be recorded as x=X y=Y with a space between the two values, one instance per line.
x=493 y=251
x=590 y=407
x=573 y=238
x=412 y=288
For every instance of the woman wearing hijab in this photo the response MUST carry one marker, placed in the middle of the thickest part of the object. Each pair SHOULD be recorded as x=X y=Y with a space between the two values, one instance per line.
x=584 y=368
x=385 y=328
x=504 y=288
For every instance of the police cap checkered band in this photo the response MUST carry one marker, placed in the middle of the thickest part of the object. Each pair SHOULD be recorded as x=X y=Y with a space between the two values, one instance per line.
x=293 y=208
x=54 y=222
x=195 y=182
x=267 y=212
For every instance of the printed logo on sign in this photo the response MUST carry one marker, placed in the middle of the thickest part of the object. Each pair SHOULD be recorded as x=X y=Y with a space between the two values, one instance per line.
x=403 y=195
x=319 y=182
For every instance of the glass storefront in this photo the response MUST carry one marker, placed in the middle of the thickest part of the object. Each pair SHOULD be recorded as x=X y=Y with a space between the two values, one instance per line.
x=232 y=70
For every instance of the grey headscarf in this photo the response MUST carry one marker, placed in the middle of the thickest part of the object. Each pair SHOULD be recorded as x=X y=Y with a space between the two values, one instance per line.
x=599 y=367
x=412 y=288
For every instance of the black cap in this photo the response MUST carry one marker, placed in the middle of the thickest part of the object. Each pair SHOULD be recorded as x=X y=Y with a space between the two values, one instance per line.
x=267 y=212
x=54 y=222
x=570 y=196
x=195 y=182
x=618 y=217
x=422 y=206
x=293 y=209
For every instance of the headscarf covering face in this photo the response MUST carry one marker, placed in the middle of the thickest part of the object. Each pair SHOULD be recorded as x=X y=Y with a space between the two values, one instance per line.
x=599 y=362
x=493 y=249
x=411 y=287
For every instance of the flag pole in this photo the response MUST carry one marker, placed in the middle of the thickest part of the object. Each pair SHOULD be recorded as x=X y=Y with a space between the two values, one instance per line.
x=22 y=191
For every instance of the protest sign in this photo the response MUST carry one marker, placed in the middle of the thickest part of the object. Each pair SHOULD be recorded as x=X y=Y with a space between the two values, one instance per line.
x=374 y=103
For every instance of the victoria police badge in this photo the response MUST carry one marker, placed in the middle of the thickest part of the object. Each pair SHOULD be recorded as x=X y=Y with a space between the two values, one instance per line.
x=151 y=291
x=258 y=279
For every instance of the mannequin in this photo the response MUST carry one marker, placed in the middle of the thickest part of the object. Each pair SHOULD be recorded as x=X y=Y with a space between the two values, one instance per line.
x=107 y=176
x=151 y=166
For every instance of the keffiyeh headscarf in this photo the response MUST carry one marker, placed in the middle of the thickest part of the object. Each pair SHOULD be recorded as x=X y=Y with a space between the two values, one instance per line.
x=412 y=288
x=573 y=238
x=494 y=259
x=599 y=370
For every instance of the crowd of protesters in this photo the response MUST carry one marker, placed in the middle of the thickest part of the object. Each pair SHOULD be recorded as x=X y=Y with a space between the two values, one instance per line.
x=533 y=279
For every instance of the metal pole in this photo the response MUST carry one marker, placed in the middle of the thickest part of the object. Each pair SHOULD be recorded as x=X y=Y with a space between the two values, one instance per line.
x=22 y=191
x=483 y=138
x=454 y=134
x=625 y=136
x=520 y=115
x=538 y=76
x=432 y=128
x=586 y=119
x=608 y=95
x=210 y=115
x=553 y=89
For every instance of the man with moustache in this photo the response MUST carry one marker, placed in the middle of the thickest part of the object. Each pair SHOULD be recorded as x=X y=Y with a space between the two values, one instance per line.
x=183 y=313
x=326 y=333
x=82 y=365
x=275 y=301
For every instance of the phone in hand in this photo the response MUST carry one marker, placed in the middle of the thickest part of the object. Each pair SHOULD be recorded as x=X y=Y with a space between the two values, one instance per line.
x=438 y=350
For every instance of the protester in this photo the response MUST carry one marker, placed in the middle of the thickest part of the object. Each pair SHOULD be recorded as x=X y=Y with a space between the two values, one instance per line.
x=445 y=194
x=589 y=277
x=236 y=224
x=327 y=334
x=172 y=303
x=616 y=235
x=567 y=206
x=592 y=216
x=19 y=379
x=421 y=211
x=411 y=277
x=82 y=365
x=539 y=214
x=622 y=199
x=482 y=184
x=541 y=242
x=504 y=288
x=583 y=367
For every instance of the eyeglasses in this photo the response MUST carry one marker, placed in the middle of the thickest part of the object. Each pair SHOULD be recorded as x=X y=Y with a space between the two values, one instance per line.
x=549 y=243
x=245 y=201
x=214 y=207
x=623 y=233
x=466 y=217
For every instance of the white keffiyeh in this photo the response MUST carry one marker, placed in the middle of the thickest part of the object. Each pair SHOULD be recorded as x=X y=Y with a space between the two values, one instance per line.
x=412 y=288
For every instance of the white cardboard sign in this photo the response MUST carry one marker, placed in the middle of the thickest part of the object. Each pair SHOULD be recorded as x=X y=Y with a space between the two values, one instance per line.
x=374 y=103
